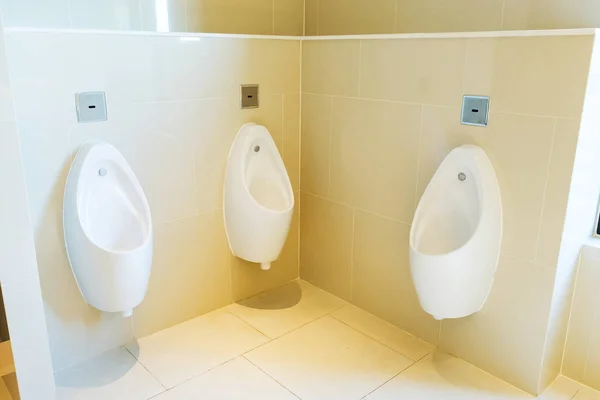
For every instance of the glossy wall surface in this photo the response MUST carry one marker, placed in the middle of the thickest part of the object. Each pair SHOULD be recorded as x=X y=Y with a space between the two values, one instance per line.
x=379 y=116
x=19 y=276
x=173 y=111
x=582 y=352
x=344 y=17
x=259 y=17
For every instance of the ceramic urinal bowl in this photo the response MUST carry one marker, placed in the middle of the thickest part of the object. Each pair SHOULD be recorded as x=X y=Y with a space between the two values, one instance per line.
x=258 y=197
x=456 y=235
x=108 y=230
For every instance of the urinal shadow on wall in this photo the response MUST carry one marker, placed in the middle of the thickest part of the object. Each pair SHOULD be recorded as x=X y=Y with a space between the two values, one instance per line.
x=286 y=296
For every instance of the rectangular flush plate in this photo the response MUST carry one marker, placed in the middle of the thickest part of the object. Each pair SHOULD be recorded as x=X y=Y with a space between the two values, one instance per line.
x=249 y=95
x=475 y=110
x=91 y=106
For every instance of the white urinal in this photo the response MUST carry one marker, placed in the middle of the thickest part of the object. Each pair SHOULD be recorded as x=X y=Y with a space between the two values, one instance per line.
x=108 y=230
x=258 y=197
x=456 y=235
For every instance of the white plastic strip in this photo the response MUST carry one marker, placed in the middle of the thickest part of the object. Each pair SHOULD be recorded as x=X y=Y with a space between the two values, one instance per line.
x=448 y=35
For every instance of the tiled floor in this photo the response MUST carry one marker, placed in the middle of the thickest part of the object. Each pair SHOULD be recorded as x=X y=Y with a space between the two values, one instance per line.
x=295 y=342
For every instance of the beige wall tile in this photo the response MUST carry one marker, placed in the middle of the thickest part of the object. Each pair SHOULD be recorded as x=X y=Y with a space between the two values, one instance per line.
x=449 y=15
x=326 y=245
x=230 y=16
x=154 y=19
x=316 y=142
x=519 y=148
x=190 y=274
x=513 y=343
x=36 y=13
x=273 y=64
x=17 y=249
x=374 y=156
x=413 y=71
x=311 y=17
x=175 y=124
x=347 y=17
x=381 y=279
x=331 y=67
x=585 y=305
x=289 y=17
x=248 y=279
x=560 y=171
x=291 y=138
x=529 y=75
x=592 y=371
x=551 y=14
x=108 y=14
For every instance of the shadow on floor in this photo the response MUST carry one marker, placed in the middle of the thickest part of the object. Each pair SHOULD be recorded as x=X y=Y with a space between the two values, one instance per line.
x=100 y=371
x=285 y=296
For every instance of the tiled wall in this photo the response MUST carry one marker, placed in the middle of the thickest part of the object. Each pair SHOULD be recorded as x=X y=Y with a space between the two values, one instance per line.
x=379 y=116
x=264 y=17
x=343 y=17
x=579 y=224
x=582 y=353
x=18 y=272
x=173 y=112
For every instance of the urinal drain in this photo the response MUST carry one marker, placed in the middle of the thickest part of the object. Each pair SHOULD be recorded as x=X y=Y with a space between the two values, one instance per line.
x=256 y=149
x=462 y=177
x=102 y=172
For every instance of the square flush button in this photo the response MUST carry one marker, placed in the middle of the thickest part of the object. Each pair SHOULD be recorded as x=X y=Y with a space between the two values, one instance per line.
x=475 y=110
x=91 y=106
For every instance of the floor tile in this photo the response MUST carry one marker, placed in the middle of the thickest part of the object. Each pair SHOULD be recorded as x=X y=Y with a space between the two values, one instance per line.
x=440 y=376
x=328 y=360
x=394 y=337
x=286 y=308
x=587 y=394
x=114 y=375
x=189 y=349
x=237 y=379
x=563 y=388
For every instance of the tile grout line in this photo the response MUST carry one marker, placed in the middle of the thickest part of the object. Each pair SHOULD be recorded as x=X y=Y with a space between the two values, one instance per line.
x=250 y=325
x=356 y=208
x=352 y=253
x=360 y=51
x=541 y=215
x=418 y=169
x=273 y=17
x=437 y=105
x=379 y=341
x=502 y=15
x=298 y=327
x=270 y=376
x=318 y=17
x=395 y=16
x=147 y=370
x=596 y=320
x=564 y=344
x=330 y=145
x=185 y=15
x=394 y=377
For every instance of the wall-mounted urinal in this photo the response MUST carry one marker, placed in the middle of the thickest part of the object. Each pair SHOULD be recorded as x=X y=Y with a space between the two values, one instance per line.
x=456 y=235
x=258 y=197
x=108 y=229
